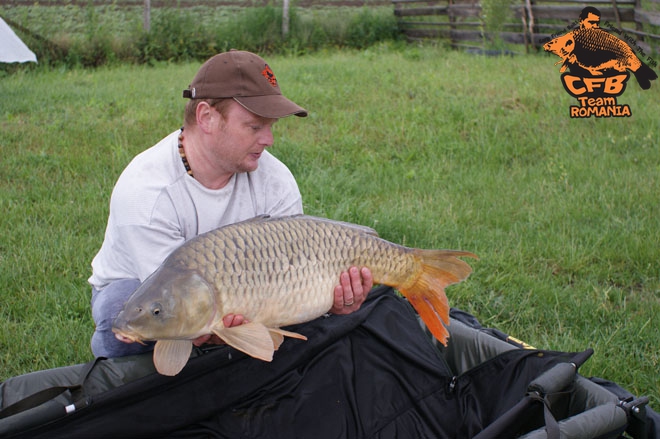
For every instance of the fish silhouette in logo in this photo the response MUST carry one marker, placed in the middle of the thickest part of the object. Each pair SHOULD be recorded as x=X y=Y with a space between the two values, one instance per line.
x=590 y=50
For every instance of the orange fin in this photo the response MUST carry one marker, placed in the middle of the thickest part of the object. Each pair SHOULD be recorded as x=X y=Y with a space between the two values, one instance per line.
x=426 y=292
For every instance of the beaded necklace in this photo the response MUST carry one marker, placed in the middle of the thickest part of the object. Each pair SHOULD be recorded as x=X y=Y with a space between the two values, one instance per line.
x=182 y=153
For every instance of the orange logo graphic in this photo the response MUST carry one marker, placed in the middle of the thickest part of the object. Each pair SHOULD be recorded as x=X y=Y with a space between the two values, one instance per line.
x=268 y=74
x=599 y=64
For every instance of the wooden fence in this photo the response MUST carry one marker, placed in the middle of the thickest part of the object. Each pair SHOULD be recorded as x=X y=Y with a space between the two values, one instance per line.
x=530 y=22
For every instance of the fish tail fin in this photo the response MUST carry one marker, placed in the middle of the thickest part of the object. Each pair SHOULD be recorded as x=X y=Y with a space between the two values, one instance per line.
x=644 y=75
x=426 y=292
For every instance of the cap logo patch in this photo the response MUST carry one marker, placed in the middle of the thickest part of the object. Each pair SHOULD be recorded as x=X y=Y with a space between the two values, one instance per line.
x=269 y=75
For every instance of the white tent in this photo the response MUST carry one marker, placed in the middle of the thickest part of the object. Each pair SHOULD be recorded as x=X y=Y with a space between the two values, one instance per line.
x=12 y=49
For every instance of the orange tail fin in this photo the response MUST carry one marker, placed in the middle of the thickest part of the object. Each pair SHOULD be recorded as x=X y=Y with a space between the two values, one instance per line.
x=426 y=292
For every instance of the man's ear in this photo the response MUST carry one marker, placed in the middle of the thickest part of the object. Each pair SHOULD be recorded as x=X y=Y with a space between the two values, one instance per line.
x=207 y=117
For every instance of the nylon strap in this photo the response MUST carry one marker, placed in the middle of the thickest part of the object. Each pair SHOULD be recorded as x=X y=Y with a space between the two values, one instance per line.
x=551 y=425
x=44 y=395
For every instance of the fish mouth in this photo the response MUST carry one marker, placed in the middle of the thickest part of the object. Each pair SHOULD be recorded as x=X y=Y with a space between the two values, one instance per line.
x=124 y=336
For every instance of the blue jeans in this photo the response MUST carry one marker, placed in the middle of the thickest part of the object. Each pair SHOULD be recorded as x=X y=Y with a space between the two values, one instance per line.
x=106 y=305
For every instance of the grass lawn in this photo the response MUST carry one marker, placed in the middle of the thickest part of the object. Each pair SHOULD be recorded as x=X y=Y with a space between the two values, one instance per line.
x=433 y=148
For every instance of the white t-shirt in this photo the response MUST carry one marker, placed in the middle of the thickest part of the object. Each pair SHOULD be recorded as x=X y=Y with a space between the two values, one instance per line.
x=156 y=206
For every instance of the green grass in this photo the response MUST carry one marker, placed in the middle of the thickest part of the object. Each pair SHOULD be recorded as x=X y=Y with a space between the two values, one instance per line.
x=434 y=149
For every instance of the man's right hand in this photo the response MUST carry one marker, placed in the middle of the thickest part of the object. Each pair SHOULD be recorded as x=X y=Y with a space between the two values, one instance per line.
x=229 y=320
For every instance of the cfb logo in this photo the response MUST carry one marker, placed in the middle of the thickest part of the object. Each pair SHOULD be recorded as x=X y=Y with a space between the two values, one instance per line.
x=578 y=86
x=600 y=65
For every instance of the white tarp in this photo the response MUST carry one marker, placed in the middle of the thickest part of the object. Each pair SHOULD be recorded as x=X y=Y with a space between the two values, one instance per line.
x=12 y=49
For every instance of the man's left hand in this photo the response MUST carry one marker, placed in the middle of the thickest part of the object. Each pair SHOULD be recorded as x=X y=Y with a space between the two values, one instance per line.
x=352 y=290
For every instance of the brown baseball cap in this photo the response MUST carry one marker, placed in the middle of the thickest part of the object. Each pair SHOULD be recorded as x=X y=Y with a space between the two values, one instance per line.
x=247 y=79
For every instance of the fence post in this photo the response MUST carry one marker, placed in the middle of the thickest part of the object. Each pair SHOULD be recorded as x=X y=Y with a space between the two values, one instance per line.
x=146 y=16
x=285 y=19
x=530 y=20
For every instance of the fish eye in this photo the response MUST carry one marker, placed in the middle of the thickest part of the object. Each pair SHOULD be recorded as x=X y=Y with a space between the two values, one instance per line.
x=156 y=309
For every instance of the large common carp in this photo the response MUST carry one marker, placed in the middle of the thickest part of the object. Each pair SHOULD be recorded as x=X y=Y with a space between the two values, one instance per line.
x=276 y=272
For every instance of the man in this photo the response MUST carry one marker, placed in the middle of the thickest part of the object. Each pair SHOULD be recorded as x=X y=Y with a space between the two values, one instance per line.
x=213 y=172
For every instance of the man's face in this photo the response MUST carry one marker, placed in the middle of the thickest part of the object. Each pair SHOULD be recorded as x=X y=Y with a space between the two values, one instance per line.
x=240 y=138
x=592 y=21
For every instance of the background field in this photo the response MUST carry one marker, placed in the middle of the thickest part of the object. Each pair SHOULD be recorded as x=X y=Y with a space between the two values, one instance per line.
x=92 y=34
x=430 y=147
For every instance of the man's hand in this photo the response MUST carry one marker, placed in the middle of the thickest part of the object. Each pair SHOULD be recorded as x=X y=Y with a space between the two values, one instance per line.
x=352 y=290
x=229 y=320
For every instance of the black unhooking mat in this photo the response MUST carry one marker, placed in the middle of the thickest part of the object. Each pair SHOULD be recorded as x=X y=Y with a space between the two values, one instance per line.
x=371 y=374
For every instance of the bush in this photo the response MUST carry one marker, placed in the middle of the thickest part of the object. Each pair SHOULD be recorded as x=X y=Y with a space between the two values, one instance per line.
x=174 y=36
x=369 y=28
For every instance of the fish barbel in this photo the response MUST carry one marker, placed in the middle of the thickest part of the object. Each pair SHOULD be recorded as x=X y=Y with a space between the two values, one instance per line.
x=275 y=272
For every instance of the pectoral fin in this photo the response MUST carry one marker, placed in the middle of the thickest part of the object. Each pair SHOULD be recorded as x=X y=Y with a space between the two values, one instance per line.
x=170 y=356
x=251 y=338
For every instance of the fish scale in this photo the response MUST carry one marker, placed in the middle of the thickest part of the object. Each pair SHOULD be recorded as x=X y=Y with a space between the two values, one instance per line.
x=598 y=47
x=276 y=272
